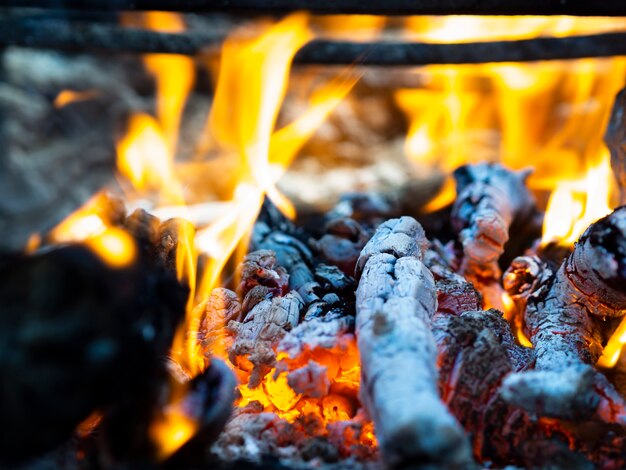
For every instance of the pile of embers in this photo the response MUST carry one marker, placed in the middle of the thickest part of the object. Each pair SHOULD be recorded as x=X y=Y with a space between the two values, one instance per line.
x=356 y=341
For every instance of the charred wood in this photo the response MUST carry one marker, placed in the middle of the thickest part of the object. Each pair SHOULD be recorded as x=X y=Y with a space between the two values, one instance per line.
x=569 y=316
x=615 y=139
x=490 y=199
x=260 y=332
x=342 y=243
x=396 y=300
x=89 y=335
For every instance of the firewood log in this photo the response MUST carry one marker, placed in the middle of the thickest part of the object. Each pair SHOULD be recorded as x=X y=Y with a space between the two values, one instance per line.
x=569 y=316
x=615 y=138
x=489 y=200
x=395 y=301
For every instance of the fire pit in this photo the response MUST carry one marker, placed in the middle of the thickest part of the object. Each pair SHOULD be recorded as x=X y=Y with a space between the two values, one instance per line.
x=312 y=239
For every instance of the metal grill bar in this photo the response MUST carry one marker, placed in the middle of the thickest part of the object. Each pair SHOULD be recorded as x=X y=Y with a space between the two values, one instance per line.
x=378 y=7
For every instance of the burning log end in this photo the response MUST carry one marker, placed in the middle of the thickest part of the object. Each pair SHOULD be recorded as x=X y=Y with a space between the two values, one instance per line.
x=597 y=266
x=566 y=394
x=490 y=198
x=398 y=237
x=615 y=139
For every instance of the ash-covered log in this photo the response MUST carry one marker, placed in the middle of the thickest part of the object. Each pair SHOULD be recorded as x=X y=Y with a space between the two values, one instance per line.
x=395 y=302
x=568 y=317
x=490 y=198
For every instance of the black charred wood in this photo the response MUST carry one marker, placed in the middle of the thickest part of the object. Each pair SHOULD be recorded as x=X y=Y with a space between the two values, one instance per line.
x=615 y=139
x=342 y=243
x=77 y=335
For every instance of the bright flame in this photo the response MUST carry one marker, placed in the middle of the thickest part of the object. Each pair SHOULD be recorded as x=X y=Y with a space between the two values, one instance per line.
x=613 y=348
x=506 y=112
x=114 y=246
x=145 y=160
x=88 y=221
x=574 y=205
x=171 y=431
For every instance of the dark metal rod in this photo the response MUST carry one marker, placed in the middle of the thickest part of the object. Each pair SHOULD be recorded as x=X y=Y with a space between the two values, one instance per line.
x=95 y=37
x=386 y=7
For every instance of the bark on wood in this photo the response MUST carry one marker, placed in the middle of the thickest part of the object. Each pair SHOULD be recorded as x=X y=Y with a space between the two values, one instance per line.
x=395 y=303
x=568 y=317
x=615 y=139
x=489 y=199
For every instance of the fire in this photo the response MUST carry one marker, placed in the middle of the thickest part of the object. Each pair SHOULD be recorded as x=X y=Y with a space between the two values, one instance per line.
x=506 y=112
x=114 y=246
x=574 y=205
x=145 y=160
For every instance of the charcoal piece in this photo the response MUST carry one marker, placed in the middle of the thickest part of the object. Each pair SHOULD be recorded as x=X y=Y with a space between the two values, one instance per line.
x=258 y=335
x=568 y=317
x=78 y=335
x=323 y=333
x=615 y=139
x=395 y=302
x=259 y=268
x=173 y=234
x=476 y=350
x=342 y=243
x=220 y=308
x=145 y=228
x=290 y=252
x=490 y=199
x=332 y=279
x=455 y=296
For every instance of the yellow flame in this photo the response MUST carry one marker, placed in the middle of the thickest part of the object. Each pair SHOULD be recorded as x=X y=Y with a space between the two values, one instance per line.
x=574 y=205
x=114 y=246
x=613 y=348
x=547 y=115
x=89 y=220
x=145 y=160
x=173 y=429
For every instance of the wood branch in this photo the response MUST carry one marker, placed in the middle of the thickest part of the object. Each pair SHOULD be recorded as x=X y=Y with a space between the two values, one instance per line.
x=395 y=303
x=393 y=7
x=568 y=317
x=615 y=139
x=490 y=199
x=105 y=38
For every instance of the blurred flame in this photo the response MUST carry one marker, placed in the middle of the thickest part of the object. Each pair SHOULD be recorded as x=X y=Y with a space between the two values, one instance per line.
x=89 y=220
x=66 y=97
x=574 y=205
x=145 y=160
x=171 y=431
x=548 y=115
x=613 y=348
x=114 y=246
